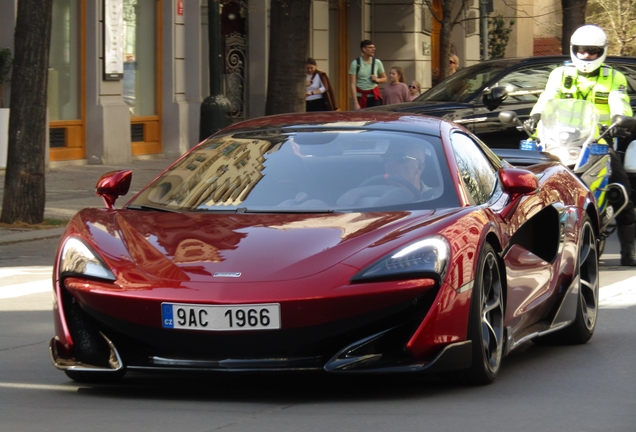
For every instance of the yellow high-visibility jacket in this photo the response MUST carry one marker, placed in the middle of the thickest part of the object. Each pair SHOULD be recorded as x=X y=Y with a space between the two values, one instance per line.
x=607 y=91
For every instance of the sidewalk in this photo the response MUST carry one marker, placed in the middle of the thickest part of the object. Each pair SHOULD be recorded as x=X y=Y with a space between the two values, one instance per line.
x=72 y=188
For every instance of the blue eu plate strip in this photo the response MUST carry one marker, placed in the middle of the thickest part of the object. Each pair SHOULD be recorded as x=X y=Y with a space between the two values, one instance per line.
x=167 y=319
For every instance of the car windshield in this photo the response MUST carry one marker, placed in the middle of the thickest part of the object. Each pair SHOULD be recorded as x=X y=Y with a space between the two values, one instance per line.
x=306 y=171
x=464 y=84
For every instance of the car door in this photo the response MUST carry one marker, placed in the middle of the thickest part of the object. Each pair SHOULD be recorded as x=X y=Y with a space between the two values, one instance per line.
x=524 y=85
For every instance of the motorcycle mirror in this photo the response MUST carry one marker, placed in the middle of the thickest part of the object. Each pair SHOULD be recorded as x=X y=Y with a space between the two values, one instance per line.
x=507 y=117
x=626 y=122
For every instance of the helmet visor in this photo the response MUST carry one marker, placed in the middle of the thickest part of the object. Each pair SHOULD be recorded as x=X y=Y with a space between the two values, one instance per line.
x=592 y=50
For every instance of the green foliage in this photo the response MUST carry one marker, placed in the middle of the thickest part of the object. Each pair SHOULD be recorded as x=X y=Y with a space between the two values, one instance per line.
x=616 y=17
x=498 y=35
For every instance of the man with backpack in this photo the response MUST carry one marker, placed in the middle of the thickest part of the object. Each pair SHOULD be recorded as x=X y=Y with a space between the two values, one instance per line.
x=365 y=73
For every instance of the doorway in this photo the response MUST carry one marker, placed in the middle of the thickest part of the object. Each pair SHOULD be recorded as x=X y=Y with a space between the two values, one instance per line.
x=142 y=74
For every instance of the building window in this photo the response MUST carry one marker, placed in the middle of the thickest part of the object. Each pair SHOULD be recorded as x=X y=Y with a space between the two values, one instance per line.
x=140 y=60
x=64 y=62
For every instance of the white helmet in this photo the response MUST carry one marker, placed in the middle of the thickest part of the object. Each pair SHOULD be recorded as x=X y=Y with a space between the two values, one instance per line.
x=588 y=37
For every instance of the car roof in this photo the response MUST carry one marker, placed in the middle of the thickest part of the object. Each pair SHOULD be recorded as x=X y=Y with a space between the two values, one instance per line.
x=341 y=120
x=547 y=59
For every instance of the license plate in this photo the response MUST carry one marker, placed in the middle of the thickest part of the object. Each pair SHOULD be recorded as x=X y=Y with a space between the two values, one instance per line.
x=220 y=318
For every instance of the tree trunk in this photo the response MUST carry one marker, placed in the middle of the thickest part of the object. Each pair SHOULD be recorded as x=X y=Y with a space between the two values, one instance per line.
x=445 y=37
x=24 y=192
x=289 y=45
x=573 y=18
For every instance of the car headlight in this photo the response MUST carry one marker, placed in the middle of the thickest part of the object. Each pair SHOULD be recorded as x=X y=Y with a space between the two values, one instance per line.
x=78 y=259
x=427 y=258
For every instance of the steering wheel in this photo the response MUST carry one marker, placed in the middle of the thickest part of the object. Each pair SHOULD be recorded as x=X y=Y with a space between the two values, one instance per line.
x=383 y=179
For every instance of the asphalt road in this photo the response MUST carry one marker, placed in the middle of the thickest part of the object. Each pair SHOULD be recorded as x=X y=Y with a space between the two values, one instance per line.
x=575 y=388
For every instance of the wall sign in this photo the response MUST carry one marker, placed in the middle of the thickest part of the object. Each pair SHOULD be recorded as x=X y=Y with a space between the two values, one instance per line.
x=180 y=7
x=113 y=40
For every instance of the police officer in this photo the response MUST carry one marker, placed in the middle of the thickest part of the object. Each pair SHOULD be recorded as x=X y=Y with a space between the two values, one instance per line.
x=588 y=78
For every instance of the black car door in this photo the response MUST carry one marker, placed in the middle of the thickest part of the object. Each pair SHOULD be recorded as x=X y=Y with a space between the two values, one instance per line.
x=524 y=84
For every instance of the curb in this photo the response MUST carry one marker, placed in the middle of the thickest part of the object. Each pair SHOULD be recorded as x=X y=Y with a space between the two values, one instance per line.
x=31 y=235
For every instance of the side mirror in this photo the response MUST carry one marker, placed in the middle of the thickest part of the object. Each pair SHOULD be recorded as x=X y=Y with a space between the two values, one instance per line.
x=517 y=181
x=508 y=117
x=493 y=98
x=112 y=185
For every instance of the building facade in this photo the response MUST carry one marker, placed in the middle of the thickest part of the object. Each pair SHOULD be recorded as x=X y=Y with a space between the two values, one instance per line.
x=127 y=77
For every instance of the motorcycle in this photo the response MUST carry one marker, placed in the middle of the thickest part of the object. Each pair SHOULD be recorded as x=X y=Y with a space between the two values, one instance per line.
x=569 y=130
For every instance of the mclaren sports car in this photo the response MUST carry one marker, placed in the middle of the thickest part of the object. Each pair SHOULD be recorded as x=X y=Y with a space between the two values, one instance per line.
x=346 y=242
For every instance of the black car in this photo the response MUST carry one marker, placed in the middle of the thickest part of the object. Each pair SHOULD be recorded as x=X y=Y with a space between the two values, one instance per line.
x=473 y=96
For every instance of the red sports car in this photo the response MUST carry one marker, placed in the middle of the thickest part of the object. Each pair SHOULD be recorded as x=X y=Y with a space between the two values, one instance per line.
x=343 y=242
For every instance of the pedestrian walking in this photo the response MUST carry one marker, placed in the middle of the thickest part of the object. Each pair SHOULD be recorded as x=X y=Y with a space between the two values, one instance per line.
x=319 y=93
x=454 y=64
x=396 y=91
x=365 y=73
x=415 y=89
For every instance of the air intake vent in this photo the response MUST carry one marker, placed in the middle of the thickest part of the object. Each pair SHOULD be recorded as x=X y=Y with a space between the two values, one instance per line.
x=137 y=132
x=57 y=137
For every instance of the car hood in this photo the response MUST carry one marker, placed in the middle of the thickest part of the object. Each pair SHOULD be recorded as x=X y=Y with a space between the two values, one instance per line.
x=261 y=247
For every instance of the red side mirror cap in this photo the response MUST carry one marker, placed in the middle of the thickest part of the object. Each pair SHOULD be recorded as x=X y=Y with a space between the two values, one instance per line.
x=516 y=181
x=112 y=185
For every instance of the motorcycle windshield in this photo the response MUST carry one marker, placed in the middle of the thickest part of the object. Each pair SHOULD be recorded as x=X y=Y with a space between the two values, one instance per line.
x=567 y=122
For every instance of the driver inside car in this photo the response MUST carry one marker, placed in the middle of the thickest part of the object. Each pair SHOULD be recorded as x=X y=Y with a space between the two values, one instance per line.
x=405 y=162
x=400 y=183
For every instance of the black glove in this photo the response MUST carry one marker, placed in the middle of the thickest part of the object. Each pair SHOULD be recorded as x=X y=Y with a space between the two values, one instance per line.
x=531 y=123
x=619 y=132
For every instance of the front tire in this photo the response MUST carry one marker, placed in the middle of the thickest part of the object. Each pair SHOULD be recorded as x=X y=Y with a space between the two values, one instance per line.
x=486 y=324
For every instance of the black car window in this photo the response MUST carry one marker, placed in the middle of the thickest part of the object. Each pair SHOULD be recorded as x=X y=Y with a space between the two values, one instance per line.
x=477 y=174
x=527 y=83
x=629 y=70
x=460 y=86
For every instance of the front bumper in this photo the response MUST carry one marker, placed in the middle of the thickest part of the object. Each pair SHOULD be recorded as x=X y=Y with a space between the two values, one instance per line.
x=372 y=342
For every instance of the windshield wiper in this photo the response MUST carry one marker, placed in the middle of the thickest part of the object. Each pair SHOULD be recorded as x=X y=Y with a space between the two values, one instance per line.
x=287 y=211
x=242 y=210
x=150 y=208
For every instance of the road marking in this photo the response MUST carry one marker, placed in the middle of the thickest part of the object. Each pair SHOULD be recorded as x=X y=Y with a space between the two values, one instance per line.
x=619 y=295
x=23 y=289
x=42 y=284
x=40 y=386
x=31 y=270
